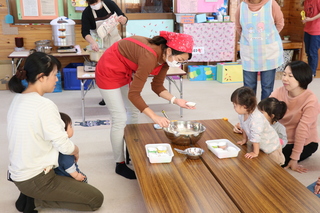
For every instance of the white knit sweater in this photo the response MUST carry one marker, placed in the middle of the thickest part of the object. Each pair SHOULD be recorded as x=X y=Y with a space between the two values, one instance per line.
x=36 y=136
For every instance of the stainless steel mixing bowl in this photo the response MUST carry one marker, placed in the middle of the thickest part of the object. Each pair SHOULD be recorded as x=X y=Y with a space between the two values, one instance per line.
x=194 y=152
x=184 y=132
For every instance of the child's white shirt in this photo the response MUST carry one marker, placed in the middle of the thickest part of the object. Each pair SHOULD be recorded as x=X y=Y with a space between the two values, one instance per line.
x=259 y=130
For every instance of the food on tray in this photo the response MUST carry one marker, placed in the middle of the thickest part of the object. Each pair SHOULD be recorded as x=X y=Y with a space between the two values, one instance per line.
x=225 y=148
x=214 y=145
x=152 y=150
x=222 y=145
x=162 y=149
x=231 y=149
x=159 y=153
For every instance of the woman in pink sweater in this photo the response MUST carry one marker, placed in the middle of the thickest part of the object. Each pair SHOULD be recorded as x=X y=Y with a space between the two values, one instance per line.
x=301 y=117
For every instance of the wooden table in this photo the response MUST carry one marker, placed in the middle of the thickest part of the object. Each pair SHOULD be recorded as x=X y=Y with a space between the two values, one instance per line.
x=293 y=45
x=21 y=55
x=211 y=184
x=83 y=76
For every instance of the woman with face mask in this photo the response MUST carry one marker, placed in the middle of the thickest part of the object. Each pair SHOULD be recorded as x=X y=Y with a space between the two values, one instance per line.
x=141 y=57
x=93 y=16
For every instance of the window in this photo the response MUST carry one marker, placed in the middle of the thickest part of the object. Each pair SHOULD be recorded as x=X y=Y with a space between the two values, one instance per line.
x=148 y=6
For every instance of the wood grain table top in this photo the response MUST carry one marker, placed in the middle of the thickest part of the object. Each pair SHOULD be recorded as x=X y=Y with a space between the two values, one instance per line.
x=211 y=184
x=183 y=185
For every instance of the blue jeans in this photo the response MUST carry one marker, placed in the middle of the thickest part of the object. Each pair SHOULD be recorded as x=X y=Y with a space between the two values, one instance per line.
x=311 y=188
x=312 y=44
x=267 y=81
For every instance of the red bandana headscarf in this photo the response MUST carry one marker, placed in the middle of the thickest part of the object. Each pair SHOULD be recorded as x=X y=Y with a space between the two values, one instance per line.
x=178 y=41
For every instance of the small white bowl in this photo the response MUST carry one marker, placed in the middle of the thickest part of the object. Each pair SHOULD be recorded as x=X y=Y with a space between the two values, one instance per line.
x=191 y=104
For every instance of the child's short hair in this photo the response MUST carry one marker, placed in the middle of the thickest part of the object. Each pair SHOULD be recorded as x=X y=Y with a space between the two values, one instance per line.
x=66 y=119
x=273 y=106
x=245 y=96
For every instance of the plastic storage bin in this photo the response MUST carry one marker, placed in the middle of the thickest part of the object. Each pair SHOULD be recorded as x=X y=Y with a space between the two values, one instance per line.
x=58 y=87
x=70 y=77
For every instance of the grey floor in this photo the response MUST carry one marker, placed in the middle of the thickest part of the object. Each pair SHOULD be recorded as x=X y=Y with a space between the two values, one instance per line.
x=96 y=161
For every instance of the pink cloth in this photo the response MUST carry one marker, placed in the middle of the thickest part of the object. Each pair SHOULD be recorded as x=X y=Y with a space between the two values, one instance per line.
x=178 y=41
x=300 y=119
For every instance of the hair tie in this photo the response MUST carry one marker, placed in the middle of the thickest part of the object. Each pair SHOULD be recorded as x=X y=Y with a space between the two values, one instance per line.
x=21 y=74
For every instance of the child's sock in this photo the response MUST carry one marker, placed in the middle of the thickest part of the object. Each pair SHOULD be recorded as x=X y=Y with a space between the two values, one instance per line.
x=21 y=202
x=30 y=206
x=123 y=170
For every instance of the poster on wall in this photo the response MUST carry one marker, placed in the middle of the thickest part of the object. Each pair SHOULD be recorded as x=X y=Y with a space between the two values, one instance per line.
x=39 y=9
x=79 y=3
x=187 y=6
x=202 y=6
x=148 y=28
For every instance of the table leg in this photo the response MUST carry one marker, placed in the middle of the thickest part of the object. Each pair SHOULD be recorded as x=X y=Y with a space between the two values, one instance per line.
x=178 y=88
x=13 y=69
x=82 y=82
x=181 y=95
x=169 y=79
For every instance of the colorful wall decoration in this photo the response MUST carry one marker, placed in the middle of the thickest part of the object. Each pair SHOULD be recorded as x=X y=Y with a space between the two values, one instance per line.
x=202 y=6
x=148 y=28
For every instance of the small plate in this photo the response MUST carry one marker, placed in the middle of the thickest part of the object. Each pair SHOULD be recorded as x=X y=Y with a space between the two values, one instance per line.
x=286 y=41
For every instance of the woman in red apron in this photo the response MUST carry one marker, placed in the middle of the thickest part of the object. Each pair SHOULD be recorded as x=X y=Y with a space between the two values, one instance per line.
x=121 y=90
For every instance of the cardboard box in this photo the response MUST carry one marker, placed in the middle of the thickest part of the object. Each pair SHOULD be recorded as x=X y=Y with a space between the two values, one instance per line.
x=230 y=72
x=202 y=73
x=200 y=18
x=5 y=75
x=185 y=18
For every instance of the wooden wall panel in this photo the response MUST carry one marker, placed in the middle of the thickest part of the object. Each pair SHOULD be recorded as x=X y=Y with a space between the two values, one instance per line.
x=32 y=33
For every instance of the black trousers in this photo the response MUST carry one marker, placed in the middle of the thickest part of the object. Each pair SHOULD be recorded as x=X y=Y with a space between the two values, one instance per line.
x=307 y=151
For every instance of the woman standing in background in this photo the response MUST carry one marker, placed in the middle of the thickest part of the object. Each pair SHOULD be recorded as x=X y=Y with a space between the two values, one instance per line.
x=258 y=23
x=312 y=32
x=92 y=17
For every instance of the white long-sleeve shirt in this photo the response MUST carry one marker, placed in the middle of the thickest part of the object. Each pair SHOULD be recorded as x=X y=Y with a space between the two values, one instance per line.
x=36 y=136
